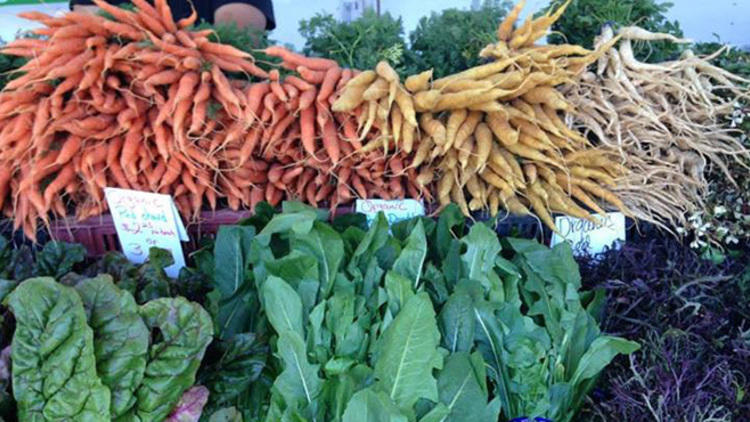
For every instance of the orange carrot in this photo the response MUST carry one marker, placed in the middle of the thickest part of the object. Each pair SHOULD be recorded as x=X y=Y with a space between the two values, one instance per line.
x=332 y=76
x=311 y=76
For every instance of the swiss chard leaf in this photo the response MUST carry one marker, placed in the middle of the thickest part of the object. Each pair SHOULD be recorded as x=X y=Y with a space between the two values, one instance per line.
x=54 y=369
x=239 y=363
x=185 y=330
x=120 y=339
x=153 y=282
x=190 y=406
x=58 y=258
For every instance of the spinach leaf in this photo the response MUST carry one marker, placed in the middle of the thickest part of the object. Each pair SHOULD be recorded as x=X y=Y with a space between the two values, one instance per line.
x=233 y=291
x=407 y=354
x=369 y=405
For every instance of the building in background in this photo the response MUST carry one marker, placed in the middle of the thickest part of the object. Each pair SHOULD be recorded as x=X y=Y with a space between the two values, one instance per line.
x=350 y=10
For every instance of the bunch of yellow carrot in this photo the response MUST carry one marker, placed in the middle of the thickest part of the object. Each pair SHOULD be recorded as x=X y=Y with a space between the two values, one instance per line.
x=143 y=102
x=493 y=136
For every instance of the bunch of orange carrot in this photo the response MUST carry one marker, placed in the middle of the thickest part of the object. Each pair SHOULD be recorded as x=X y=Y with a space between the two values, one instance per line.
x=142 y=101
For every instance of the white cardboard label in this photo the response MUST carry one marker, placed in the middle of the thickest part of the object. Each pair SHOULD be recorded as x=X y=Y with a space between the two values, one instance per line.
x=144 y=220
x=395 y=211
x=586 y=237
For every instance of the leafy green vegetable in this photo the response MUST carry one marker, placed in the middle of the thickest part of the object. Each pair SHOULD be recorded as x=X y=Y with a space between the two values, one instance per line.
x=121 y=339
x=370 y=406
x=185 y=330
x=463 y=386
x=298 y=383
x=190 y=406
x=58 y=258
x=240 y=362
x=407 y=354
x=229 y=414
x=54 y=369
x=235 y=296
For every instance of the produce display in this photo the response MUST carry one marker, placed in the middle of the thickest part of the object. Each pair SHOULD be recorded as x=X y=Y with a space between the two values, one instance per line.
x=296 y=315
x=423 y=320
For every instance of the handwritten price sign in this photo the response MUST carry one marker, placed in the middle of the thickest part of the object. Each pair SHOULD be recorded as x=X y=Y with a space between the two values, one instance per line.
x=587 y=237
x=394 y=211
x=144 y=220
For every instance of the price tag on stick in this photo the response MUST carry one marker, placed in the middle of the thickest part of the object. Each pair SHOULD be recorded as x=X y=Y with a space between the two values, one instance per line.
x=587 y=238
x=395 y=211
x=144 y=220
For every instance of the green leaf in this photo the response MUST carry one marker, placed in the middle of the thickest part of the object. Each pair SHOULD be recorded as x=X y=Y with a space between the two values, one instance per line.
x=152 y=281
x=185 y=331
x=6 y=288
x=600 y=354
x=53 y=364
x=298 y=383
x=482 y=247
x=408 y=354
x=409 y=262
x=242 y=358
x=340 y=387
x=370 y=406
x=324 y=244
x=450 y=226
x=231 y=251
x=297 y=222
x=439 y=413
x=300 y=270
x=463 y=389
x=457 y=322
x=228 y=414
x=58 y=258
x=120 y=339
x=399 y=289
x=375 y=239
x=283 y=306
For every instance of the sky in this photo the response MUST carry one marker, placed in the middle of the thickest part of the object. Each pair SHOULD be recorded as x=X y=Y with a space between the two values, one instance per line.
x=700 y=19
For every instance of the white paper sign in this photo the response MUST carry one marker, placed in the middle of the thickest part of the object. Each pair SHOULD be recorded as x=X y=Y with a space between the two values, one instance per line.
x=394 y=211
x=588 y=238
x=144 y=220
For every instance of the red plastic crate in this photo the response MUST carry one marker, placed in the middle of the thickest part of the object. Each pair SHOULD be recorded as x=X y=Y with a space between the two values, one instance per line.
x=98 y=234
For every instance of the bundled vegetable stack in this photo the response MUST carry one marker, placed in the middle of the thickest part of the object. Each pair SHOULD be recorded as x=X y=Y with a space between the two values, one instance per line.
x=493 y=136
x=666 y=122
x=143 y=102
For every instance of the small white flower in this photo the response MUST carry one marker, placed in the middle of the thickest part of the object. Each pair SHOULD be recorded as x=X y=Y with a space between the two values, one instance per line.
x=720 y=210
x=731 y=240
